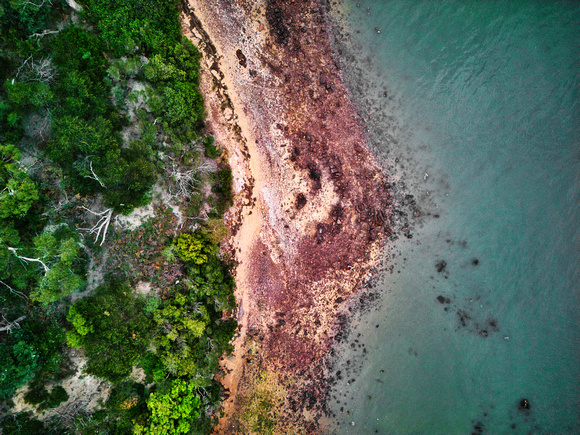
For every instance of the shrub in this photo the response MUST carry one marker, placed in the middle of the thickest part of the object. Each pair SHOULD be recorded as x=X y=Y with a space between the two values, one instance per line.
x=211 y=150
x=195 y=248
x=222 y=187
x=172 y=413
x=36 y=394
x=57 y=396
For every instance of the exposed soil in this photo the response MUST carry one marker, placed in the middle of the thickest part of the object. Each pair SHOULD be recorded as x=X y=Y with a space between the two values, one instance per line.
x=312 y=205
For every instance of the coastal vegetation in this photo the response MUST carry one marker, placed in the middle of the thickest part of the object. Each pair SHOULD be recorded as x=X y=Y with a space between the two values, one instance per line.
x=100 y=116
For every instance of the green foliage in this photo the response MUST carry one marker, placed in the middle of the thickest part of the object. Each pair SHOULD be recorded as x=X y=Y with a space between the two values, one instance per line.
x=22 y=424
x=60 y=251
x=57 y=396
x=24 y=17
x=81 y=85
x=222 y=187
x=17 y=191
x=36 y=394
x=135 y=25
x=215 y=230
x=33 y=350
x=183 y=104
x=191 y=334
x=137 y=178
x=182 y=322
x=211 y=150
x=91 y=152
x=195 y=248
x=173 y=412
x=212 y=279
x=18 y=363
x=177 y=332
x=196 y=202
x=112 y=328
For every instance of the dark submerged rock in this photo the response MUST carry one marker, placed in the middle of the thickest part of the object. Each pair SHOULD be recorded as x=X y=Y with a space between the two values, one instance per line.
x=440 y=265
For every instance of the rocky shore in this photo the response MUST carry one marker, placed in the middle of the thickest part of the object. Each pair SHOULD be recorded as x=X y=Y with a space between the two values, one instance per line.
x=311 y=209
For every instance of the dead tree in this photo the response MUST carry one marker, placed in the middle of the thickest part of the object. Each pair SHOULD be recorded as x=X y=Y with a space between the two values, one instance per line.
x=102 y=225
x=185 y=180
x=27 y=259
x=40 y=35
x=13 y=291
x=6 y=326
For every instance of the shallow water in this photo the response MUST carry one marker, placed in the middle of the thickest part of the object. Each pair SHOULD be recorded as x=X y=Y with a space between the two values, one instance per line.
x=473 y=109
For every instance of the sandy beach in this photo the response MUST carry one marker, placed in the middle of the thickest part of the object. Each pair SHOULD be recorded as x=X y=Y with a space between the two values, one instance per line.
x=309 y=217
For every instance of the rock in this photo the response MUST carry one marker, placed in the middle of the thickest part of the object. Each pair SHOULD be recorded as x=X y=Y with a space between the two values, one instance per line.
x=300 y=201
x=241 y=58
x=440 y=265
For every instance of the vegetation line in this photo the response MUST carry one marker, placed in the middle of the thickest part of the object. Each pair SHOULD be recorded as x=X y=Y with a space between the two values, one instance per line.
x=100 y=117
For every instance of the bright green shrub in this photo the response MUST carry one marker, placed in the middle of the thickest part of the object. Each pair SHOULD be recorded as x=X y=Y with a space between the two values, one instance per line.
x=172 y=413
x=195 y=248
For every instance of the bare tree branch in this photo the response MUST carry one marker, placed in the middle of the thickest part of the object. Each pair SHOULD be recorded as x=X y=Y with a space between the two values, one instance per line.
x=101 y=227
x=42 y=34
x=15 y=292
x=27 y=259
x=8 y=326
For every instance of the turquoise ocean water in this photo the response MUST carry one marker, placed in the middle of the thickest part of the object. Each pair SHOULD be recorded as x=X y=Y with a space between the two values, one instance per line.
x=473 y=108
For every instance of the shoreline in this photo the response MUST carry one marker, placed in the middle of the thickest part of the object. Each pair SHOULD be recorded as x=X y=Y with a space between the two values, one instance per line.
x=309 y=221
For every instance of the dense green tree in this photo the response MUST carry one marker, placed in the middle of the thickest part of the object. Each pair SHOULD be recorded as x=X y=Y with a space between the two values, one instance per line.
x=172 y=413
x=34 y=348
x=183 y=103
x=25 y=17
x=132 y=25
x=17 y=191
x=112 y=328
x=22 y=424
x=58 y=258
x=195 y=248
